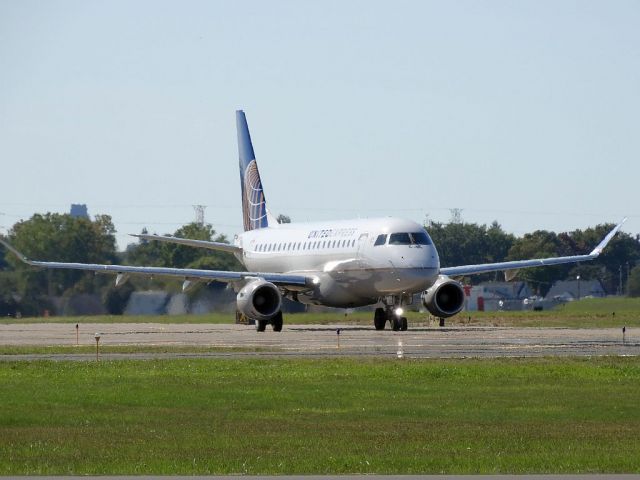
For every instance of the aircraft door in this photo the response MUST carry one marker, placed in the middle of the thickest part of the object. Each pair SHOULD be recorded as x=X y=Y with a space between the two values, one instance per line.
x=362 y=243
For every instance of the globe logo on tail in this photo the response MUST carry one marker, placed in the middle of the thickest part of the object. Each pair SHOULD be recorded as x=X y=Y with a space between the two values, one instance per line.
x=254 y=209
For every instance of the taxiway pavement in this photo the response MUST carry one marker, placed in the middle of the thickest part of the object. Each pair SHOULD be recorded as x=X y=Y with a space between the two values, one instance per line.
x=323 y=340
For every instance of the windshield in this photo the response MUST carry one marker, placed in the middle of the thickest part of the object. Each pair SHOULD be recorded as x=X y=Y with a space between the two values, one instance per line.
x=409 y=238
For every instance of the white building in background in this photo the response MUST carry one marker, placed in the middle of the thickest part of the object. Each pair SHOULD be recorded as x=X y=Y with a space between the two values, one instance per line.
x=569 y=290
x=492 y=296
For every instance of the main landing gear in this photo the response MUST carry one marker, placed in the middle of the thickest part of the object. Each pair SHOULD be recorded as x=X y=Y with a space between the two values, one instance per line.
x=390 y=314
x=261 y=325
x=276 y=323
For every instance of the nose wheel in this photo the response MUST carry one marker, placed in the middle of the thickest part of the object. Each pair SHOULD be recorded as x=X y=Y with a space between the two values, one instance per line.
x=382 y=316
x=399 y=324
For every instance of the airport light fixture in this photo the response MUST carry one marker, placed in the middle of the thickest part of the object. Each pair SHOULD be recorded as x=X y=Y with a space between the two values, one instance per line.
x=97 y=337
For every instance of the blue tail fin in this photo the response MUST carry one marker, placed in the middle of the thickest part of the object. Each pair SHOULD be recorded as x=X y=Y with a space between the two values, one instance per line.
x=254 y=205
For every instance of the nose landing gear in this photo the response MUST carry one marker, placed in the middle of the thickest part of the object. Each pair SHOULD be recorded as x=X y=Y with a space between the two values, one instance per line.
x=391 y=314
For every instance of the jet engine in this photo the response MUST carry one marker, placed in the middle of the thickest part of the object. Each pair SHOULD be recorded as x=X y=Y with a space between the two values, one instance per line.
x=259 y=300
x=445 y=298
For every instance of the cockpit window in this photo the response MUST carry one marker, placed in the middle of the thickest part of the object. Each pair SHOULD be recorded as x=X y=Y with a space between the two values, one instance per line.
x=411 y=238
x=399 y=239
x=420 y=238
x=381 y=240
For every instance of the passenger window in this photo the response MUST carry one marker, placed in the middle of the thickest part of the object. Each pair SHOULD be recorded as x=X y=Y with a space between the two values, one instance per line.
x=399 y=239
x=381 y=240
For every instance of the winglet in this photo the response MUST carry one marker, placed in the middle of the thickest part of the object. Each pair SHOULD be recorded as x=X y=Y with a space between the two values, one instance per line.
x=598 y=250
x=14 y=251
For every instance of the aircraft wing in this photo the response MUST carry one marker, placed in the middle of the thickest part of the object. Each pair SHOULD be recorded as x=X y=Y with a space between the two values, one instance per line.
x=539 y=262
x=225 y=247
x=187 y=274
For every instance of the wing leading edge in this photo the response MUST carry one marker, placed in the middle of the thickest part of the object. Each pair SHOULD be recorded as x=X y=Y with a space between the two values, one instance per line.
x=539 y=262
x=188 y=274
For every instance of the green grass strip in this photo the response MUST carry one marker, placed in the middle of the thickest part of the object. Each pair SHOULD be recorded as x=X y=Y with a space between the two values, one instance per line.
x=333 y=416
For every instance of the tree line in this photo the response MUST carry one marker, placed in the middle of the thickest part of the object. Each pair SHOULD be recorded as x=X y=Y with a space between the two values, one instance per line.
x=470 y=243
x=61 y=237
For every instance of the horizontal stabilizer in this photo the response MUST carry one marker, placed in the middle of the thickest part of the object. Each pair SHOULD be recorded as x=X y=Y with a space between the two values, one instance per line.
x=225 y=247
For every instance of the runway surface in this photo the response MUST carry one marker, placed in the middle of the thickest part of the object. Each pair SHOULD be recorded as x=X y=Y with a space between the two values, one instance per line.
x=323 y=340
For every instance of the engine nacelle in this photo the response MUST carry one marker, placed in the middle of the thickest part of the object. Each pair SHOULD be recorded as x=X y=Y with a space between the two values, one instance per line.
x=445 y=298
x=259 y=300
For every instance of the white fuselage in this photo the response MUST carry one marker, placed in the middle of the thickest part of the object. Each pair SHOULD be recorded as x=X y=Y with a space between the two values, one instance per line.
x=355 y=262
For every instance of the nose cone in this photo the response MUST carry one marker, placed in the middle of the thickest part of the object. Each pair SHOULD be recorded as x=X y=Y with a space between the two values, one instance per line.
x=417 y=256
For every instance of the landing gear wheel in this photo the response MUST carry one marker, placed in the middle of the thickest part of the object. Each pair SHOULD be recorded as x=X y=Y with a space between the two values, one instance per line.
x=404 y=324
x=379 y=319
x=396 y=323
x=276 y=322
x=442 y=322
x=261 y=325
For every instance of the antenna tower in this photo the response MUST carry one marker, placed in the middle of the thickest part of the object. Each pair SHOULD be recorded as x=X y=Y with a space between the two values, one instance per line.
x=456 y=215
x=199 y=209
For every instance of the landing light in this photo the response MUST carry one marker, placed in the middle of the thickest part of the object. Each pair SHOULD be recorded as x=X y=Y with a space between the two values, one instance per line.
x=399 y=311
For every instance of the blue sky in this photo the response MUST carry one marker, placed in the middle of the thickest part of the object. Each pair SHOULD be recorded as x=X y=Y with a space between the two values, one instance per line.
x=520 y=112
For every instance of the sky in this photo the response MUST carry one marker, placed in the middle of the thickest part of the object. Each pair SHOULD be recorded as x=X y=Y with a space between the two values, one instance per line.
x=522 y=112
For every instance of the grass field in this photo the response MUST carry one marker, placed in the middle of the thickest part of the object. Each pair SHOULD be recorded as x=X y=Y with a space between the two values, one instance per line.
x=320 y=416
x=588 y=313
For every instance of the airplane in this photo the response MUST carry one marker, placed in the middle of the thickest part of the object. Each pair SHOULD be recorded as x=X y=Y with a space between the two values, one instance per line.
x=341 y=264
